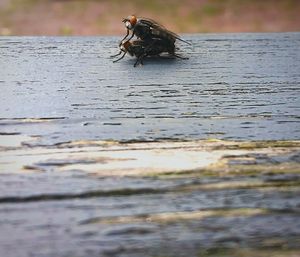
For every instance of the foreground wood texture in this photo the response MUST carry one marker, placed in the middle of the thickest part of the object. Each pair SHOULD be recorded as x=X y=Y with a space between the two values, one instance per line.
x=201 y=198
x=195 y=157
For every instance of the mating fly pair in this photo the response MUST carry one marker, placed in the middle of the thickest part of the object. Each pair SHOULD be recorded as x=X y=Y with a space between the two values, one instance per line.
x=153 y=40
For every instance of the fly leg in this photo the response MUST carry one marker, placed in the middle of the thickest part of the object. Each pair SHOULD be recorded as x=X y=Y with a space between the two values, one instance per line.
x=180 y=57
x=124 y=37
x=115 y=55
x=136 y=62
x=140 y=60
x=120 y=58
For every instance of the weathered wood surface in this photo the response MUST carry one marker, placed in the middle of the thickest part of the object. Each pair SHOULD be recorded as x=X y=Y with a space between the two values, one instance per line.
x=232 y=87
x=103 y=159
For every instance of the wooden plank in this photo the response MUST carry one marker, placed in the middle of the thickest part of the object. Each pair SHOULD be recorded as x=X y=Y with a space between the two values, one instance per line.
x=195 y=157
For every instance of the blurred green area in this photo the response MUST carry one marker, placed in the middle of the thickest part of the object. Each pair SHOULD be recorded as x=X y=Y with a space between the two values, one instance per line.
x=95 y=17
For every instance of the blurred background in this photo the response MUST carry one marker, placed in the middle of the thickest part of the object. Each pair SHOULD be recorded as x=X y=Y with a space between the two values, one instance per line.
x=103 y=17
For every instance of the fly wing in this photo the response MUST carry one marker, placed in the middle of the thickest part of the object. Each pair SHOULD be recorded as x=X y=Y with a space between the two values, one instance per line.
x=160 y=30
